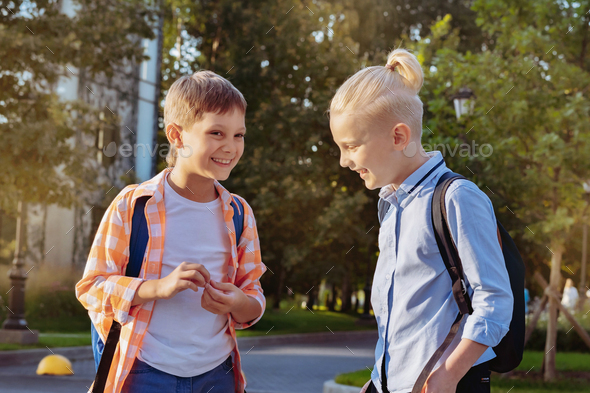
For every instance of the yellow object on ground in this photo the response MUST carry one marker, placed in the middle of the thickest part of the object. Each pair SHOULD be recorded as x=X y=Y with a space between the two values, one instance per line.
x=55 y=365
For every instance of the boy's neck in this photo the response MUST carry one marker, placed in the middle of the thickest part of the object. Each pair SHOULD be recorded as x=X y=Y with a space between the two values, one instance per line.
x=192 y=186
x=411 y=165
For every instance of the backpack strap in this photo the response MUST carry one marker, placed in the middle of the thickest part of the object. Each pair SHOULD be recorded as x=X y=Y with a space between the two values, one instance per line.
x=137 y=245
x=139 y=238
x=446 y=245
x=450 y=256
x=238 y=218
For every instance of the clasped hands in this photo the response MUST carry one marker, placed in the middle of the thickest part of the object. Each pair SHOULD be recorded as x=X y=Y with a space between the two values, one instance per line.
x=218 y=298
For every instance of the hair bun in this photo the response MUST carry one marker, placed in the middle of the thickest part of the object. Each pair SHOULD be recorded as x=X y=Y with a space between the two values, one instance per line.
x=392 y=66
x=408 y=66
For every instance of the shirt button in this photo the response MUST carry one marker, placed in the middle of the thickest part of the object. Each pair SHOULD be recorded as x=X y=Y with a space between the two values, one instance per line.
x=388 y=276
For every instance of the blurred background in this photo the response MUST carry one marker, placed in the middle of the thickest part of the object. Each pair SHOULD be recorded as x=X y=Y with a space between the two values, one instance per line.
x=82 y=90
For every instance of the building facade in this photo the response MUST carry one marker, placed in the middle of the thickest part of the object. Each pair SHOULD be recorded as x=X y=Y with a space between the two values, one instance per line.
x=61 y=237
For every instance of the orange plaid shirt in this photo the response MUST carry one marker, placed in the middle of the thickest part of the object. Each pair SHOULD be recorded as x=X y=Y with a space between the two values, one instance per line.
x=107 y=293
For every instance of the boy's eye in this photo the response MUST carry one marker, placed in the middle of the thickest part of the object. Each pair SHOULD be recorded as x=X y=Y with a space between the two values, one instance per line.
x=242 y=136
x=216 y=133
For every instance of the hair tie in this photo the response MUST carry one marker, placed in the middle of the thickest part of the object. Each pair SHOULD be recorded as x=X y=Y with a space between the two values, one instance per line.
x=392 y=66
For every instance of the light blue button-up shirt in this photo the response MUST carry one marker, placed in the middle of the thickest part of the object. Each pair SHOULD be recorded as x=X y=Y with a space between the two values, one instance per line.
x=412 y=296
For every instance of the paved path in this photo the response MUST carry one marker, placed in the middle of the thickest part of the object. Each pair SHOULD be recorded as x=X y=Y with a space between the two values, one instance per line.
x=300 y=366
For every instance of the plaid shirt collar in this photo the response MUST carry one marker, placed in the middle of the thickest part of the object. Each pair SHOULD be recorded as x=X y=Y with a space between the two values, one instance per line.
x=155 y=187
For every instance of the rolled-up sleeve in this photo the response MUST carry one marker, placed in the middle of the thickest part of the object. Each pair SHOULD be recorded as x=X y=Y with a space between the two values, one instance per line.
x=473 y=227
x=104 y=290
x=250 y=266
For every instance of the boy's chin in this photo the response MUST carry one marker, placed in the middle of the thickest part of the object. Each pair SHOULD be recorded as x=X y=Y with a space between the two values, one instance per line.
x=222 y=177
x=372 y=184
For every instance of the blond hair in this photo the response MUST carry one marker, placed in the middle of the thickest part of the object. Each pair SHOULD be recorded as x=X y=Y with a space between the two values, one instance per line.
x=569 y=283
x=193 y=95
x=381 y=93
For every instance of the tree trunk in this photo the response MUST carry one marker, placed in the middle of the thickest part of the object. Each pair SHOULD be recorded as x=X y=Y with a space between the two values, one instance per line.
x=584 y=41
x=178 y=34
x=332 y=306
x=276 y=304
x=554 y=283
x=576 y=325
x=582 y=291
x=533 y=322
x=326 y=299
x=311 y=298
x=346 y=293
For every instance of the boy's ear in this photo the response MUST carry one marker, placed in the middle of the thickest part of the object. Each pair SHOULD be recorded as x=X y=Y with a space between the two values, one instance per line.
x=173 y=133
x=401 y=135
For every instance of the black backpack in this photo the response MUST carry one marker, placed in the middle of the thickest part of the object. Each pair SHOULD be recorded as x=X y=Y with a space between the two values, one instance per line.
x=510 y=349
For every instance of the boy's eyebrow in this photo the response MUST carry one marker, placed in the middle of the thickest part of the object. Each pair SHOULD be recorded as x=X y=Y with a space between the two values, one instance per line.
x=223 y=126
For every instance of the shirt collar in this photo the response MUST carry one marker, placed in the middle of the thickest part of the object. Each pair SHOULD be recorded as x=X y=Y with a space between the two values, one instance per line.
x=414 y=183
x=155 y=187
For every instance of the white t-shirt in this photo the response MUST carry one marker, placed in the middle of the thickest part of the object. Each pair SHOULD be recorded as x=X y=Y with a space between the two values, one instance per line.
x=182 y=338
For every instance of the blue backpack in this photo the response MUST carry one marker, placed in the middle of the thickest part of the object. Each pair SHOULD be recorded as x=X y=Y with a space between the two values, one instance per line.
x=103 y=353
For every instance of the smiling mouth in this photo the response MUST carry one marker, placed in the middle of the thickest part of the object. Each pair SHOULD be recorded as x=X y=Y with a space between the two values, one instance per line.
x=220 y=161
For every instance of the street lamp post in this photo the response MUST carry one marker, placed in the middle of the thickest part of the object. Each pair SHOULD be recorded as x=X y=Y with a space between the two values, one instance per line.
x=464 y=102
x=15 y=329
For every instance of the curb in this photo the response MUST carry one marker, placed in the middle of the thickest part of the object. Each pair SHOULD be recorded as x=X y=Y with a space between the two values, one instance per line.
x=30 y=356
x=333 y=387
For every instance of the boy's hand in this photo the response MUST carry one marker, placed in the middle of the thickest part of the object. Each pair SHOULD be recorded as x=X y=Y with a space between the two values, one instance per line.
x=445 y=378
x=440 y=381
x=222 y=298
x=185 y=276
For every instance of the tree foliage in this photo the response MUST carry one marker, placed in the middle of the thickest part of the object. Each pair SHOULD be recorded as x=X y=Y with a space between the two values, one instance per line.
x=316 y=220
x=531 y=106
x=42 y=156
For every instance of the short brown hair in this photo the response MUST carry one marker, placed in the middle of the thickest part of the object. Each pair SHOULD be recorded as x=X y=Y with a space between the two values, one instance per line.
x=191 y=96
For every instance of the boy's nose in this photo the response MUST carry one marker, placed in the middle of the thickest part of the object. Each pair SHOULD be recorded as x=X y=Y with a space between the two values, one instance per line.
x=344 y=162
x=229 y=148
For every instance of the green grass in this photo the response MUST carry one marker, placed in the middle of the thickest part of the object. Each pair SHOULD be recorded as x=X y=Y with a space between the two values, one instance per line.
x=302 y=321
x=64 y=332
x=564 y=361
x=61 y=324
x=282 y=321
x=521 y=382
x=530 y=385
x=355 y=378
x=53 y=340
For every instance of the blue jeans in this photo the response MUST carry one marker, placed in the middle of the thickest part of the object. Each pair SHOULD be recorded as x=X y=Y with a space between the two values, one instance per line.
x=143 y=378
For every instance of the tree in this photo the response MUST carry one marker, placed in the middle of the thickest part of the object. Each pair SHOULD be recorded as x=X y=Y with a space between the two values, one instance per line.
x=531 y=107
x=43 y=155
x=377 y=25
x=287 y=58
